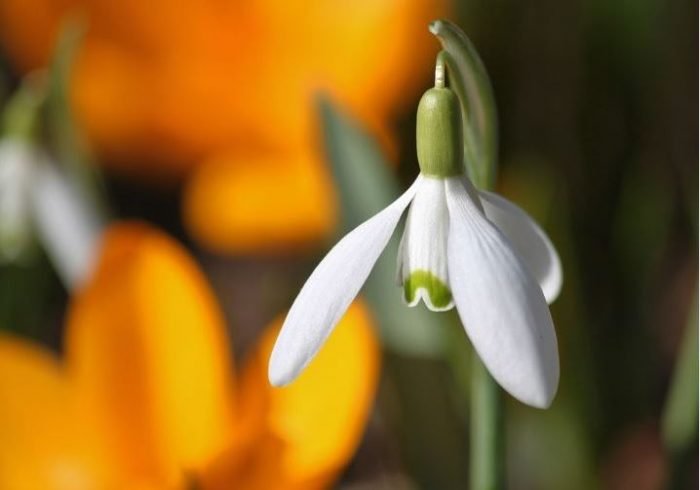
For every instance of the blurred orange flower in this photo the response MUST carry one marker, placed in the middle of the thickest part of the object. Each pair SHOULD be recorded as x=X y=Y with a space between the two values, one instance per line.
x=163 y=87
x=145 y=396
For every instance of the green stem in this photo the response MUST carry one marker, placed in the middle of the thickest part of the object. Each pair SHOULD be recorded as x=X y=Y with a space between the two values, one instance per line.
x=467 y=76
x=487 y=435
x=487 y=463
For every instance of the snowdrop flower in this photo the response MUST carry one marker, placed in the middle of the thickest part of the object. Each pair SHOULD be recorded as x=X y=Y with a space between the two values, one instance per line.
x=461 y=247
x=38 y=200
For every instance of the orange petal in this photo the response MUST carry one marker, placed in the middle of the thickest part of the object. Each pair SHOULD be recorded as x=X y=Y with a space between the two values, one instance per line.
x=45 y=443
x=310 y=429
x=147 y=347
x=260 y=203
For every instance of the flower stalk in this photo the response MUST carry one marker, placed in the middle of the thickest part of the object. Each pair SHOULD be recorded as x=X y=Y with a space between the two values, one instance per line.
x=487 y=417
x=487 y=441
x=470 y=81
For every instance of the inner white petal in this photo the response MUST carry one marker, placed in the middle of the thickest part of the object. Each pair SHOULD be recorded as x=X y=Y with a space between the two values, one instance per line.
x=423 y=252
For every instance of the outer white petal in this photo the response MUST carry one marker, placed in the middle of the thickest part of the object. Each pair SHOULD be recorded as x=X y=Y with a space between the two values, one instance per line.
x=501 y=306
x=17 y=161
x=528 y=240
x=424 y=244
x=330 y=289
x=68 y=227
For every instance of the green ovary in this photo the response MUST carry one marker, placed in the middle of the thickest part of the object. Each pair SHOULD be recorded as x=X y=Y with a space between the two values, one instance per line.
x=439 y=292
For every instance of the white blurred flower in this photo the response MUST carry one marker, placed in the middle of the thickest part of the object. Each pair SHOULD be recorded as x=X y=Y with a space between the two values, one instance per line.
x=37 y=198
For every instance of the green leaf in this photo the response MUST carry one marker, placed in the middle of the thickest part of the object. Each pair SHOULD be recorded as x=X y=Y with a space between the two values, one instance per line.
x=20 y=116
x=468 y=78
x=366 y=185
x=679 y=423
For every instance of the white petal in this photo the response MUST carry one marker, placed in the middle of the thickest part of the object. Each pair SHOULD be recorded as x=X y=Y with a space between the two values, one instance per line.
x=399 y=258
x=528 y=240
x=423 y=264
x=501 y=306
x=330 y=289
x=17 y=160
x=67 y=225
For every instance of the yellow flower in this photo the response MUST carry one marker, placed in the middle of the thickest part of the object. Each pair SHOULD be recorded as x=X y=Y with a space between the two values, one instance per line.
x=146 y=397
x=167 y=88
x=45 y=443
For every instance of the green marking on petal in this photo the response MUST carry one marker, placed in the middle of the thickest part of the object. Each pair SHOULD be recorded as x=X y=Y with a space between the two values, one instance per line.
x=439 y=292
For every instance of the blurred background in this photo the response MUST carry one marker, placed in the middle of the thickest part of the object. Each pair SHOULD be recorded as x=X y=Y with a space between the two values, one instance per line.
x=245 y=139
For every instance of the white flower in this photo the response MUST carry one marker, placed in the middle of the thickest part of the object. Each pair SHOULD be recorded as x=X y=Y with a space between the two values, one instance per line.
x=461 y=247
x=36 y=197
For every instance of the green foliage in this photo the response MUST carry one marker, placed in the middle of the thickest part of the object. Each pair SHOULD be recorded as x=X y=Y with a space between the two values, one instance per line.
x=680 y=417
